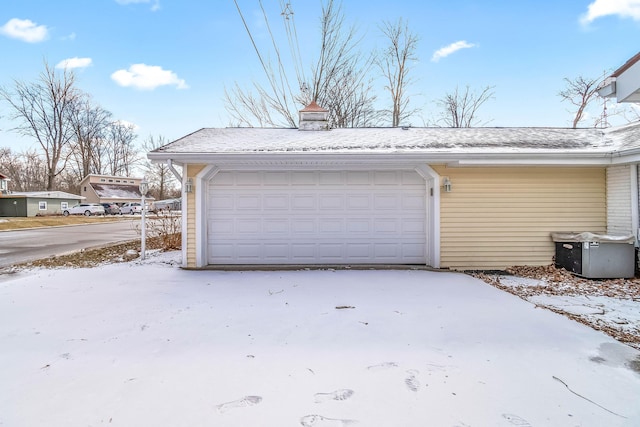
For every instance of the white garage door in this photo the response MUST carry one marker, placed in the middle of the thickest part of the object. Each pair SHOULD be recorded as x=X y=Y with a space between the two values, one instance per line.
x=316 y=217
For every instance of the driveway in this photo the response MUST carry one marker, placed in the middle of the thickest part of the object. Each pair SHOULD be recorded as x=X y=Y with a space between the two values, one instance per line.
x=146 y=343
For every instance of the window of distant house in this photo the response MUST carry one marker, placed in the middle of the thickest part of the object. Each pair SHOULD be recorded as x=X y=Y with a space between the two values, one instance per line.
x=102 y=180
x=64 y=205
x=3 y=184
x=42 y=206
x=85 y=189
x=110 y=180
x=117 y=180
x=131 y=182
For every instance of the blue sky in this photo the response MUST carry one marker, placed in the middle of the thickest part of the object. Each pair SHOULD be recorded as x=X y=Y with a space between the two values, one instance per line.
x=163 y=64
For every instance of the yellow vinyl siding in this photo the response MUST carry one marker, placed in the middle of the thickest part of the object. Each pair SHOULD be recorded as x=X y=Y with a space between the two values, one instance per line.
x=499 y=217
x=192 y=171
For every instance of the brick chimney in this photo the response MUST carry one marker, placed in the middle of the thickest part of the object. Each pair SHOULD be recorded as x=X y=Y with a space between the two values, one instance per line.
x=314 y=117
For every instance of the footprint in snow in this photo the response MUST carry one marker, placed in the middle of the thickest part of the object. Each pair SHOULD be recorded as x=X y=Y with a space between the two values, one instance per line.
x=516 y=420
x=411 y=381
x=320 y=421
x=342 y=394
x=240 y=403
x=382 y=366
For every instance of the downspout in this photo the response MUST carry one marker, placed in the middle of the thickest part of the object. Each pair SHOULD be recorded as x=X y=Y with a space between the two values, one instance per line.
x=635 y=199
x=172 y=169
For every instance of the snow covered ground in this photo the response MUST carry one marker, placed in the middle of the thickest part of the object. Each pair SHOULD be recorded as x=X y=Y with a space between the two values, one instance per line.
x=149 y=344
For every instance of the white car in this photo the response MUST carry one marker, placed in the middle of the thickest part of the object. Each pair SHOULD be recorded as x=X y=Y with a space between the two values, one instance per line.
x=86 y=209
x=131 y=208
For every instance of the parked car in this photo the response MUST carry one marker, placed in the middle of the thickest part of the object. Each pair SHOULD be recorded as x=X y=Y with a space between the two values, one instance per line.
x=86 y=209
x=111 y=208
x=131 y=208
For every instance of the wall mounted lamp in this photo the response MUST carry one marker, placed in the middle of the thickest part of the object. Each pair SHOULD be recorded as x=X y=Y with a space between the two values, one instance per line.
x=446 y=184
x=188 y=186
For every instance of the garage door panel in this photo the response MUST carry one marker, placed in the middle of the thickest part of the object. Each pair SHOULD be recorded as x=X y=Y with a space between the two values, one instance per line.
x=330 y=226
x=276 y=179
x=330 y=178
x=331 y=202
x=386 y=201
x=332 y=252
x=247 y=178
x=413 y=226
x=304 y=226
x=221 y=226
x=359 y=201
x=276 y=201
x=316 y=217
x=247 y=226
x=386 y=178
x=358 y=178
x=277 y=227
x=222 y=201
x=359 y=226
x=382 y=226
x=413 y=250
x=251 y=202
x=413 y=202
x=303 y=178
x=303 y=202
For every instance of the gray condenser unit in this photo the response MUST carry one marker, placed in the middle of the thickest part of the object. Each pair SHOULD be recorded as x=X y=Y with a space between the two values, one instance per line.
x=596 y=256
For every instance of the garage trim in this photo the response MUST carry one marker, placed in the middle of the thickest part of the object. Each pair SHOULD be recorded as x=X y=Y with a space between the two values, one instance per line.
x=432 y=199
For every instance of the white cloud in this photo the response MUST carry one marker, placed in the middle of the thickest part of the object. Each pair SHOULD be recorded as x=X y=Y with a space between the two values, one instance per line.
x=147 y=77
x=622 y=8
x=71 y=36
x=155 y=4
x=443 y=52
x=134 y=127
x=25 y=30
x=75 y=62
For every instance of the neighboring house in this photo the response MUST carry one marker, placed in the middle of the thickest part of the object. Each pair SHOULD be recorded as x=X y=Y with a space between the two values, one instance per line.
x=36 y=203
x=624 y=83
x=111 y=189
x=624 y=86
x=168 y=205
x=4 y=184
x=459 y=198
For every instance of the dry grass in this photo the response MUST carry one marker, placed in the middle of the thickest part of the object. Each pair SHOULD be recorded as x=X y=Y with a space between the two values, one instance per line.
x=15 y=223
x=93 y=257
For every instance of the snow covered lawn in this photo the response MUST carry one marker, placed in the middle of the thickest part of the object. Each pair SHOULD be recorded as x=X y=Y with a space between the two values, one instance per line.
x=149 y=344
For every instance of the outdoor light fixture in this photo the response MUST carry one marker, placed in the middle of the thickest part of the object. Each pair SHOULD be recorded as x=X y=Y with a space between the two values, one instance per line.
x=446 y=184
x=144 y=188
x=188 y=186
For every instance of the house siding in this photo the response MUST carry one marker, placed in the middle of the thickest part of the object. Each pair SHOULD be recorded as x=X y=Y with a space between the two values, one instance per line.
x=499 y=217
x=619 y=200
x=192 y=171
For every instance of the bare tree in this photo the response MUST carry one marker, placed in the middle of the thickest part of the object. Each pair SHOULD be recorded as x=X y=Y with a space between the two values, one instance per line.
x=118 y=154
x=460 y=109
x=581 y=92
x=42 y=109
x=340 y=77
x=394 y=64
x=340 y=69
x=160 y=177
x=89 y=123
x=25 y=170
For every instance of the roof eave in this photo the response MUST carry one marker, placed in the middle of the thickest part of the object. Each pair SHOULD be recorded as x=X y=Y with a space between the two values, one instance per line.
x=466 y=158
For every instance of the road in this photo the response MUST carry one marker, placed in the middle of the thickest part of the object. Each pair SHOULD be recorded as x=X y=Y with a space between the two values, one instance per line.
x=26 y=245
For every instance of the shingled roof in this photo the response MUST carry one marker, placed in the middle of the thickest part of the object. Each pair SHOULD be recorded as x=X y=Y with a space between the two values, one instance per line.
x=404 y=140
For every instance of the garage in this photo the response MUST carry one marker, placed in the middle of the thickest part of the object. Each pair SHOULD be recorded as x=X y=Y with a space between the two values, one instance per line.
x=316 y=217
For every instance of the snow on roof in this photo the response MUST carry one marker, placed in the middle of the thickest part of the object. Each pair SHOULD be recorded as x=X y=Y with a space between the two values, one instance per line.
x=116 y=191
x=402 y=140
x=48 y=194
